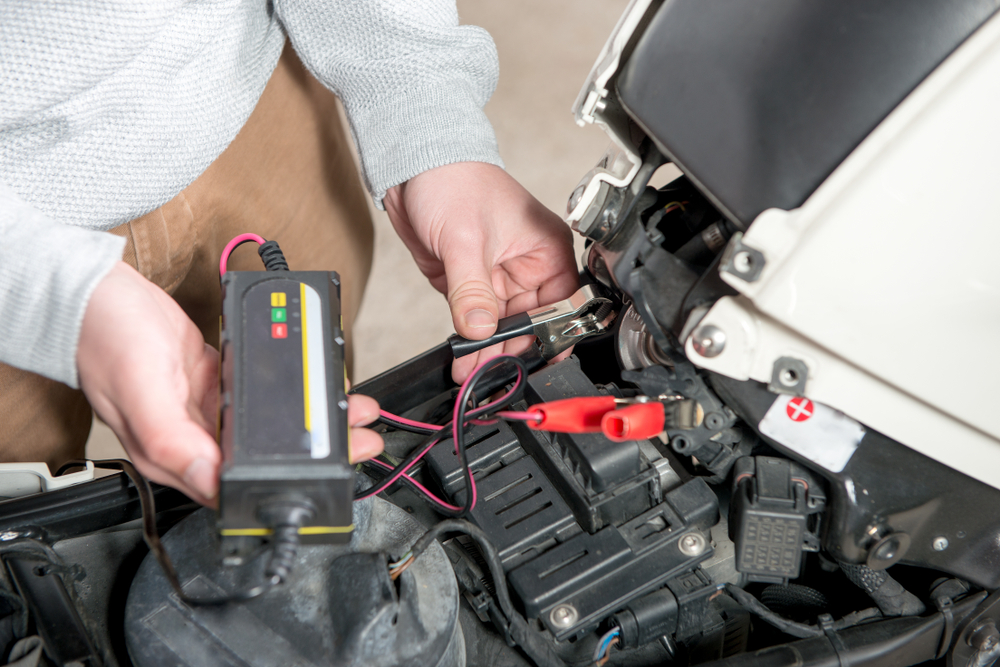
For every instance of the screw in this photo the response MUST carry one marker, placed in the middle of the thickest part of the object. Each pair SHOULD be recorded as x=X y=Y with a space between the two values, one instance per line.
x=709 y=341
x=743 y=262
x=788 y=377
x=564 y=616
x=692 y=544
x=552 y=338
x=940 y=543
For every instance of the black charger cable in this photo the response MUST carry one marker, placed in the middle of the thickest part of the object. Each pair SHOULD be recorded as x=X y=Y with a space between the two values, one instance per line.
x=284 y=516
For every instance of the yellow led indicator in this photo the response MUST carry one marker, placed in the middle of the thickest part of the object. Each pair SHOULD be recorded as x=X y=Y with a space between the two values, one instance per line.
x=277 y=299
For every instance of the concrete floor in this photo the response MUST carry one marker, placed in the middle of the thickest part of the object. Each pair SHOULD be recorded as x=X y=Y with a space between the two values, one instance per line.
x=546 y=50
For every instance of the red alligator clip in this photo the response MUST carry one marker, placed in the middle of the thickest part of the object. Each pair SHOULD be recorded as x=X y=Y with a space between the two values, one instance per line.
x=636 y=422
x=573 y=415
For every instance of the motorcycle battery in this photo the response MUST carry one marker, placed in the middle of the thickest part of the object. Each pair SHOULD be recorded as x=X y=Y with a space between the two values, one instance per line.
x=283 y=405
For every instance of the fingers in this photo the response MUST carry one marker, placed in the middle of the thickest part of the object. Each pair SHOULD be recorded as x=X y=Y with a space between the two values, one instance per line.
x=473 y=303
x=364 y=443
x=361 y=410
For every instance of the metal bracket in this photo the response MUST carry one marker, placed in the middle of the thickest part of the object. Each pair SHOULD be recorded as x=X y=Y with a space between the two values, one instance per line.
x=789 y=376
x=741 y=260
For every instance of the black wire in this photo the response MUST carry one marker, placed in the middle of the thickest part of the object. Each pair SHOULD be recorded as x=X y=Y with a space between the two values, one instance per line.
x=409 y=428
x=463 y=417
x=794 y=628
x=406 y=479
x=410 y=458
x=539 y=650
x=490 y=553
x=152 y=538
x=271 y=255
x=416 y=452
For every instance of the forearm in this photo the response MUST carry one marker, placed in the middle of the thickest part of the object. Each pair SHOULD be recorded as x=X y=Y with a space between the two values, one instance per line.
x=47 y=273
x=413 y=81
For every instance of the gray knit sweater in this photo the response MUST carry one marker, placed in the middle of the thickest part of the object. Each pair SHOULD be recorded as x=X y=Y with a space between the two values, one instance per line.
x=109 y=108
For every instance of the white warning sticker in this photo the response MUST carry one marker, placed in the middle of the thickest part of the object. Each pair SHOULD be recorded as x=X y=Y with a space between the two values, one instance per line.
x=825 y=436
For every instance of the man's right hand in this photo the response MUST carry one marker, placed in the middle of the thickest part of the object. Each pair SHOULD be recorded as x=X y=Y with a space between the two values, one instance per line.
x=149 y=375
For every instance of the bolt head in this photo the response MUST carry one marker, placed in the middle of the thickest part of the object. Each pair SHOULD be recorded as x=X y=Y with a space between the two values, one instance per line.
x=708 y=340
x=564 y=616
x=940 y=543
x=692 y=544
x=743 y=262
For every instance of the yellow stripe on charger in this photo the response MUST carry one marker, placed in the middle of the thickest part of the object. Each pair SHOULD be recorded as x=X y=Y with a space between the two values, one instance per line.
x=305 y=530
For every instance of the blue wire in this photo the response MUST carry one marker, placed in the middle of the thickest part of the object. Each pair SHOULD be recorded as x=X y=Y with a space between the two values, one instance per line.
x=607 y=641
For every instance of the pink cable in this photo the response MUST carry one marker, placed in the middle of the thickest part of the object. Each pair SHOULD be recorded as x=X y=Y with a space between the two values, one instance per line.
x=435 y=427
x=520 y=416
x=392 y=480
x=420 y=486
x=455 y=421
x=409 y=422
x=231 y=246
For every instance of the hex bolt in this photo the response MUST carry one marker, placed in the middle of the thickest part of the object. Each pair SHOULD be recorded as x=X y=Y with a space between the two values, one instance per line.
x=709 y=341
x=564 y=616
x=692 y=544
x=940 y=543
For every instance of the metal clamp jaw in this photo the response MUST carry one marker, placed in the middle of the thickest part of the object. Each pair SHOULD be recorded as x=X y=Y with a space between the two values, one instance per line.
x=557 y=326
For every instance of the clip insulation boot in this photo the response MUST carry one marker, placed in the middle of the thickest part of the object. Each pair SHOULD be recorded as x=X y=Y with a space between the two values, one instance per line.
x=572 y=415
x=647 y=420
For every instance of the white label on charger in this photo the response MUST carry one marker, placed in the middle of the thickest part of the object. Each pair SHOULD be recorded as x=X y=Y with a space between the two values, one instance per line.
x=315 y=366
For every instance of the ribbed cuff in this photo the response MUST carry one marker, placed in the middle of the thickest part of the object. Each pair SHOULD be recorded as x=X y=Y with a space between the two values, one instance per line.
x=420 y=130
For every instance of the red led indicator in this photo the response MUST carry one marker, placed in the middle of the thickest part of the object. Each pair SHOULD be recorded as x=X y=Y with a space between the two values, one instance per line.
x=279 y=330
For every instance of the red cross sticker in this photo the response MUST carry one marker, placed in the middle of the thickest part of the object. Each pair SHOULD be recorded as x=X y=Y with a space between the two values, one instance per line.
x=799 y=409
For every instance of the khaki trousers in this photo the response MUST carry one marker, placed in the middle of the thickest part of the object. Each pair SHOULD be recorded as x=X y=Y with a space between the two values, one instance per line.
x=288 y=176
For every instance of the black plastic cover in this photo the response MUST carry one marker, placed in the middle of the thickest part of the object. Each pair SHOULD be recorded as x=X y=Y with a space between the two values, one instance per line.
x=758 y=102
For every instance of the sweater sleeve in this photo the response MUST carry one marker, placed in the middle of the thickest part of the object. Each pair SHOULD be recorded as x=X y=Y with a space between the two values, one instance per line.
x=413 y=81
x=48 y=270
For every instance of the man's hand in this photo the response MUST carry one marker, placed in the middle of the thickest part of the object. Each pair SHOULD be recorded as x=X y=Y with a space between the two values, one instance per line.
x=148 y=373
x=487 y=244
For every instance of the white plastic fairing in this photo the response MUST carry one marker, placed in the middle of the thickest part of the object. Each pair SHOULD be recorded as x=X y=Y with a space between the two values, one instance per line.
x=885 y=282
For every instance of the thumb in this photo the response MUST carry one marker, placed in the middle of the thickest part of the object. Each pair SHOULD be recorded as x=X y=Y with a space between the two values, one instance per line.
x=473 y=302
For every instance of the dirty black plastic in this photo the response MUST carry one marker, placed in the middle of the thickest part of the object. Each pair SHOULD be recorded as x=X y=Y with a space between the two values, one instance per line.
x=56 y=618
x=648 y=618
x=862 y=499
x=576 y=519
